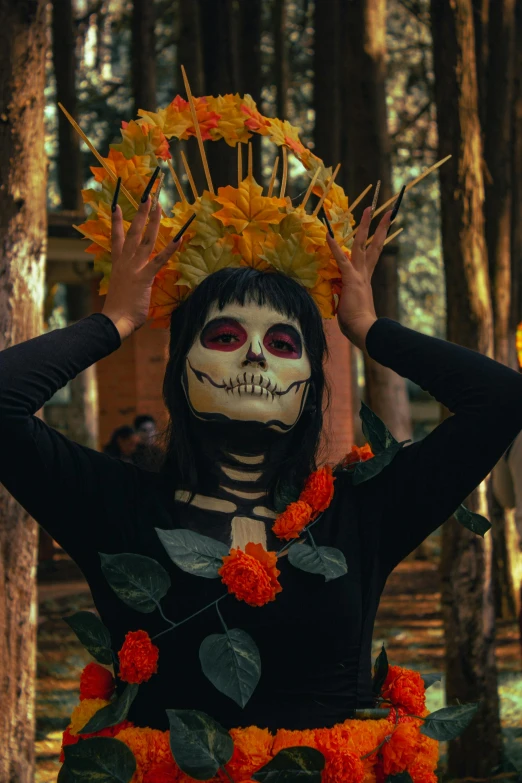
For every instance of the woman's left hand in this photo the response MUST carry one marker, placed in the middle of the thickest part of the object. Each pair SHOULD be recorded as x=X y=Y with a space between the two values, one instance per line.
x=356 y=311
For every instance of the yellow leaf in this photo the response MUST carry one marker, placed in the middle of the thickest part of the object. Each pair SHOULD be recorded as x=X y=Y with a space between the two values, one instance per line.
x=288 y=256
x=281 y=132
x=231 y=123
x=166 y=295
x=323 y=297
x=255 y=121
x=250 y=245
x=140 y=138
x=176 y=119
x=207 y=229
x=312 y=163
x=195 y=263
x=246 y=206
x=310 y=228
x=134 y=172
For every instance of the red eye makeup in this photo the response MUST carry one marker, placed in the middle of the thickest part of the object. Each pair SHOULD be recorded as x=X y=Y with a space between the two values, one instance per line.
x=223 y=334
x=283 y=340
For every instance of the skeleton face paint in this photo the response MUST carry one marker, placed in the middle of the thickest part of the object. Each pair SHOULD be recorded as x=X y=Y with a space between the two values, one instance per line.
x=248 y=364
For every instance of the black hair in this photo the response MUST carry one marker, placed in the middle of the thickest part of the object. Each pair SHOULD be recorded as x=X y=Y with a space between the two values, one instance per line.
x=240 y=286
x=143 y=418
x=112 y=446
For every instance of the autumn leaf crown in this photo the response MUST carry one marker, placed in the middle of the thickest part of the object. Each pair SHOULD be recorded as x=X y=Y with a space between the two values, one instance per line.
x=237 y=226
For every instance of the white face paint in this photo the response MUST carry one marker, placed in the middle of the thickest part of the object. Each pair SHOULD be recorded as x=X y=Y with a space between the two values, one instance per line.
x=248 y=364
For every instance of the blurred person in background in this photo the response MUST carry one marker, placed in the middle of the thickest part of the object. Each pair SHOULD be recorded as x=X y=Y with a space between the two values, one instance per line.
x=123 y=444
x=148 y=454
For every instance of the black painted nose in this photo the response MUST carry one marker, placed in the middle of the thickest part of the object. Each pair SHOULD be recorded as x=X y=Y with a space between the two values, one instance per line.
x=254 y=358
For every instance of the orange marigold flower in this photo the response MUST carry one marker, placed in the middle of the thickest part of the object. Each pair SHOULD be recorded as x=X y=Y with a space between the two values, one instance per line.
x=291 y=522
x=427 y=751
x=401 y=750
x=358 y=454
x=96 y=682
x=83 y=713
x=251 y=575
x=162 y=773
x=420 y=773
x=319 y=489
x=405 y=689
x=343 y=767
x=138 y=657
x=293 y=739
x=150 y=747
x=252 y=750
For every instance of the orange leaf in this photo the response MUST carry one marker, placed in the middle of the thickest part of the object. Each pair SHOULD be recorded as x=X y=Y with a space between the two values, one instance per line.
x=255 y=122
x=134 y=172
x=176 y=119
x=165 y=296
x=231 y=123
x=250 y=245
x=140 y=138
x=245 y=206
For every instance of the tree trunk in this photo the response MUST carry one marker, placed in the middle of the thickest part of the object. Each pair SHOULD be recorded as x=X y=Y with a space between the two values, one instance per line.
x=69 y=159
x=366 y=159
x=281 y=64
x=516 y=181
x=143 y=55
x=327 y=82
x=190 y=54
x=467 y=600
x=22 y=258
x=249 y=68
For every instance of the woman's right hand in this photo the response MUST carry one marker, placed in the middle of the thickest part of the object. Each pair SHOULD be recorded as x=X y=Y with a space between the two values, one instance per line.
x=128 y=298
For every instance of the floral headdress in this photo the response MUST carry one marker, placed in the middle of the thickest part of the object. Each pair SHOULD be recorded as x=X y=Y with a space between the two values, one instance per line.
x=235 y=226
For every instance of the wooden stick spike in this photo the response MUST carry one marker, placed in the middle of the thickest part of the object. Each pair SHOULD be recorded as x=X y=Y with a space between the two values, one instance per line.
x=189 y=175
x=359 y=198
x=177 y=183
x=412 y=184
x=388 y=239
x=239 y=164
x=273 y=176
x=311 y=186
x=250 y=161
x=112 y=174
x=285 y=173
x=198 y=131
x=326 y=190
x=157 y=192
x=376 y=197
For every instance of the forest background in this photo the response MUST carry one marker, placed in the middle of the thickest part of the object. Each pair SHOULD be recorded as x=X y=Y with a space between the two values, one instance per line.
x=386 y=87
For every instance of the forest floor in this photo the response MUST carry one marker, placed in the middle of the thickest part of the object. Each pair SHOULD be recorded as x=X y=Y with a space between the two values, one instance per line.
x=410 y=628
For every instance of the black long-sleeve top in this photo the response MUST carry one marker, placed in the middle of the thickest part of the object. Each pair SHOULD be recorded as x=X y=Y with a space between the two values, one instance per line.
x=315 y=638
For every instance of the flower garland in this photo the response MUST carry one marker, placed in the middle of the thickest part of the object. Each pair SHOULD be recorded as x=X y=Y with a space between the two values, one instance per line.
x=355 y=751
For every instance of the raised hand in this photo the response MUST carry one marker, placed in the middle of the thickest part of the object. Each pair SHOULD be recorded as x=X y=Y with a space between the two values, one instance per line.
x=356 y=311
x=133 y=271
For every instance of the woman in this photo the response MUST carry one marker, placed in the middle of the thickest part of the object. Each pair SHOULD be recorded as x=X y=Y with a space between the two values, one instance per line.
x=239 y=345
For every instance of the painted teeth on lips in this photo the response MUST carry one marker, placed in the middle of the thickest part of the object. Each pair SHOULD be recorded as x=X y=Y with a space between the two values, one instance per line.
x=249 y=383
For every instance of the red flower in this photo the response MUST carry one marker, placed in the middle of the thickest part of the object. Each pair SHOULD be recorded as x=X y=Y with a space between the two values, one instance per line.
x=319 y=489
x=251 y=575
x=162 y=773
x=96 y=682
x=138 y=657
x=405 y=688
x=291 y=522
x=358 y=454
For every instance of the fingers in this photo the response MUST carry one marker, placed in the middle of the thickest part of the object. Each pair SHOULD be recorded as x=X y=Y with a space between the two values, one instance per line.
x=343 y=262
x=375 y=247
x=359 y=242
x=133 y=238
x=117 y=234
x=161 y=259
x=146 y=246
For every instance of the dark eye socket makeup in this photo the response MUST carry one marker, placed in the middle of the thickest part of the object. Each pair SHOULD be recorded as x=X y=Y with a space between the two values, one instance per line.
x=227 y=334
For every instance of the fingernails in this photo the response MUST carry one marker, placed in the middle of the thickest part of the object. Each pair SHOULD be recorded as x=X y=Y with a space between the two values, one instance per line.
x=116 y=195
x=327 y=224
x=155 y=198
x=150 y=185
x=375 y=197
x=397 y=204
x=184 y=228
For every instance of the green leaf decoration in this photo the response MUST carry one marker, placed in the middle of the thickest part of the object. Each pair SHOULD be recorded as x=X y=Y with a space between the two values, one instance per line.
x=232 y=663
x=194 y=553
x=431 y=679
x=401 y=777
x=112 y=713
x=473 y=521
x=139 y=581
x=449 y=722
x=285 y=493
x=92 y=633
x=100 y=760
x=375 y=431
x=372 y=467
x=292 y=764
x=380 y=672
x=199 y=744
x=324 y=560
